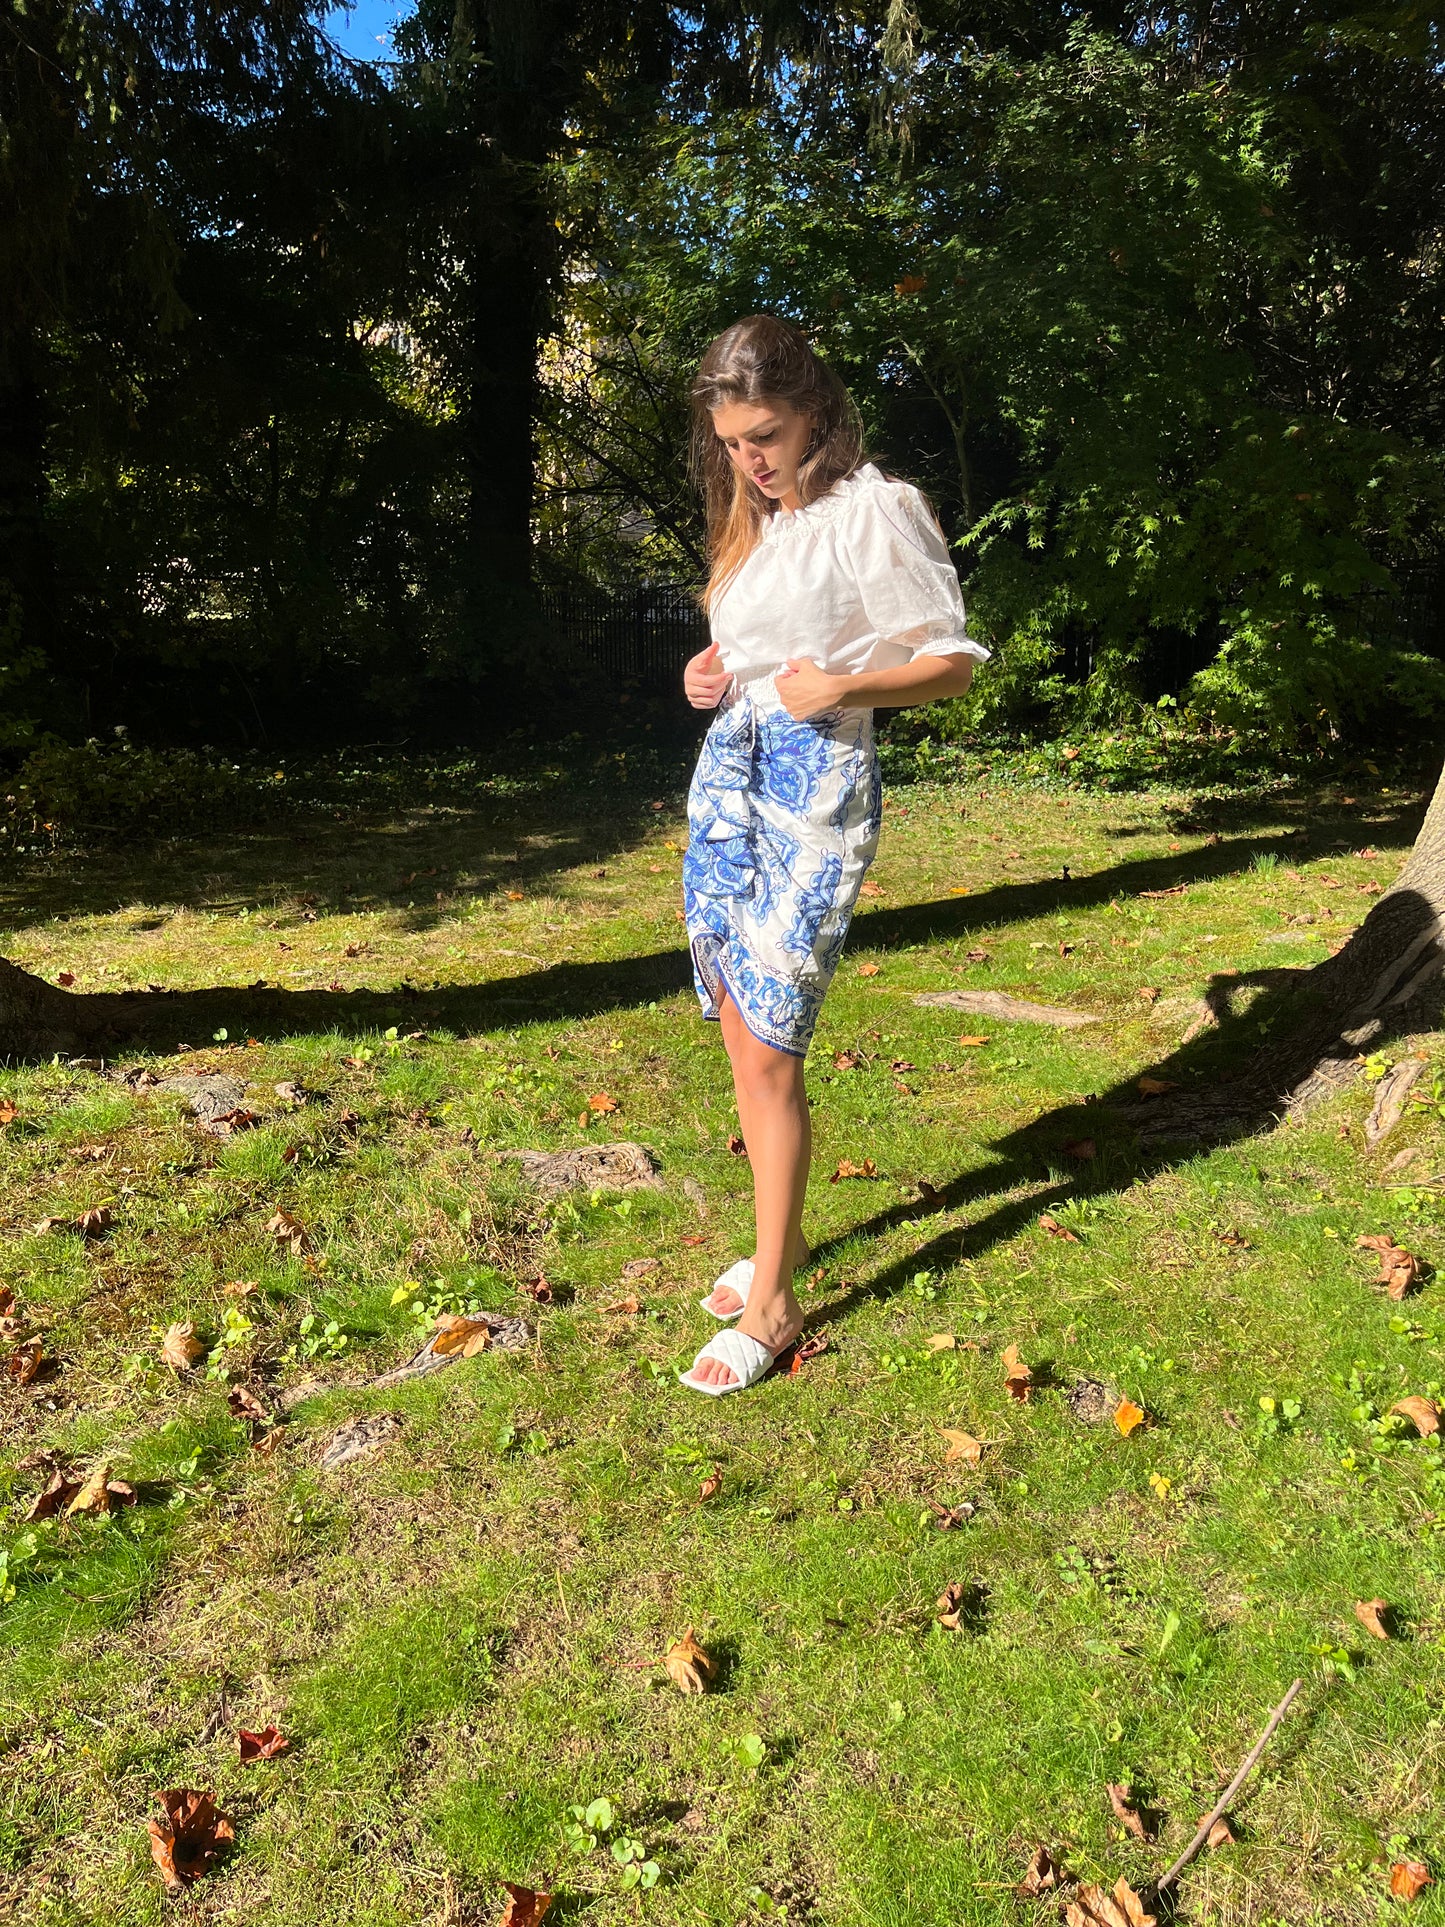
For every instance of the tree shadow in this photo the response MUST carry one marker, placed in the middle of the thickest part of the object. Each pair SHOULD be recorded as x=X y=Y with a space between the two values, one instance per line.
x=1238 y=1072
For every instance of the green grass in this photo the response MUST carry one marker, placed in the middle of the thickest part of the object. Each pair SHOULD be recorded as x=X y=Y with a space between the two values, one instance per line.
x=461 y=1633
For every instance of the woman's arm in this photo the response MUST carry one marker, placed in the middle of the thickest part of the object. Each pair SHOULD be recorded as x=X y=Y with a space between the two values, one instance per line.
x=804 y=688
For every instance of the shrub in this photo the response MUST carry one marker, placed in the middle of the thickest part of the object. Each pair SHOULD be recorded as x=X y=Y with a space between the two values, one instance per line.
x=117 y=792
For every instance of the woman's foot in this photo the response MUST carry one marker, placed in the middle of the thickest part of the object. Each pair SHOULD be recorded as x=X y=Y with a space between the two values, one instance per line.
x=775 y=1325
x=723 y=1301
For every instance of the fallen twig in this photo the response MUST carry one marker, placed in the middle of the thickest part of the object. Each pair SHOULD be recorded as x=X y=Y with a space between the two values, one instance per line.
x=1250 y=1761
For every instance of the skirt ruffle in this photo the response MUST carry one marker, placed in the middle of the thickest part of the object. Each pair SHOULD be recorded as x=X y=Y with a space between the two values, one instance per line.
x=783 y=821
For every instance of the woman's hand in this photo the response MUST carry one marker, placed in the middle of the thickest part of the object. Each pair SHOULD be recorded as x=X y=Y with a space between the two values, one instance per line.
x=704 y=680
x=804 y=689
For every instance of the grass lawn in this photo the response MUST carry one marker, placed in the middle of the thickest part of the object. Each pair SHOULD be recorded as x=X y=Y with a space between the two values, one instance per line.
x=461 y=1633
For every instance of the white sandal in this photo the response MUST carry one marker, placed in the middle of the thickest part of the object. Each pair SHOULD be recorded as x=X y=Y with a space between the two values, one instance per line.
x=738 y=1278
x=748 y=1359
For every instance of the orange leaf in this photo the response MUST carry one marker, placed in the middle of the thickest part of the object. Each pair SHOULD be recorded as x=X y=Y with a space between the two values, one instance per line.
x=60 y=1488
x=1017 y=1378
x=869 y=969
x=466 y=1336
x=688 y=1665
x=264 y=1745
x=972 y=1043
x=180 y=1348
x=1409 y=1878
x=626 y=1307
x=100 y=1493
x=943 y=1342
x=1121 y=1800
x=1042 y=1875
x=1056 y=1230
x=1155 y=1086
x=710 y=1486
x=8 y=1112
x=868 y=888
x=287 y=1230
x=1372 y=1615
x=22 y=1367
x=525 y=1908
x=911 y=284
x=188 y=1841
x=961 y=1446
x=951 y=1604
x=600 y=1101
x=1128 y=1416
x=1095 y=1907
x=848 y=1169
x=1423 y=1413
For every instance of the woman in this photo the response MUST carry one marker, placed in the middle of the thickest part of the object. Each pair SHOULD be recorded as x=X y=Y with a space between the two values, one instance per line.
x=831 y=594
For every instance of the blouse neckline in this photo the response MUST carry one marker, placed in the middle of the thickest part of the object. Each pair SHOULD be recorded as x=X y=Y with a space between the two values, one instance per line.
x=827 y=508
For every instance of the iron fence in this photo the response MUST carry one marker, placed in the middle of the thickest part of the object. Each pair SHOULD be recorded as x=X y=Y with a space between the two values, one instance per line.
x=646 y=634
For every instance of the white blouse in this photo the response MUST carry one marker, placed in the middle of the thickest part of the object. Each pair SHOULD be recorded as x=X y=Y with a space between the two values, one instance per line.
x=860 y=579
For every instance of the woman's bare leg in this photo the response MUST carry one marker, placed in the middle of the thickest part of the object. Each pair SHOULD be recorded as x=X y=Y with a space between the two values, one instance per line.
x=736 y=1037
x=778 y=1130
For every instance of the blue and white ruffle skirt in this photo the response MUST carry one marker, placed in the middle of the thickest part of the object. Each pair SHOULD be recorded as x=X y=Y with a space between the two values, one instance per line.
x=783 y=819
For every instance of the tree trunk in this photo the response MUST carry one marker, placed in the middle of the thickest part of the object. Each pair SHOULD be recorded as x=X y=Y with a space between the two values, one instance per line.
x=27 y=573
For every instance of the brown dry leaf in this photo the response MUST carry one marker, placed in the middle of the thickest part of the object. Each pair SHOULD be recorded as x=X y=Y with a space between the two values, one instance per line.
x=1080 y=1148
x=963 y=1447
x=688 y=1665
x=188 y=1841
x=100 y=1493
x=1409 y=1879
x=60 y=1488
x=639 y=1267
x=1043 y=1875
x=710 y=1486
x=241 y=1288
x=847 y=1060
x=180 y=1348
x=869 y=969
x=868 y=888
x=736 y=1145
x=950 y=1605
x=976 y=956
x=848 y=1169
x=1234 y=1240
x=524 y=1908
x=946 y=1517
x=943 y=1342
x=539 y=1289
x=601 y=1102
x=264 y=1745
x=930 y=1197
x=805 y=1353
x=972 y=1043
x=23 y=1365
x=244 y=1404
x=1050 y=1223
x=629 y=1307
x=1149 y=993
x=1095 y=1907
x=287 y=1230
x=269 y=1441
x=1372 y=1614
x=1179 y=890
x=1121 y=1800
x=1128 y=1416
x=466 y=1336
x=1017 y=1378
x=7 y=1302
x=65 y=978
x=1399 y=1269
x=1155 y=1086
x=8 y=1112
x=1423 y=1413
x=1221 y=1834
x=53 y=1223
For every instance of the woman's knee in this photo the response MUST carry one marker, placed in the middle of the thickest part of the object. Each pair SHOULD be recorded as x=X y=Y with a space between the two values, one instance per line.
x=766 y=1075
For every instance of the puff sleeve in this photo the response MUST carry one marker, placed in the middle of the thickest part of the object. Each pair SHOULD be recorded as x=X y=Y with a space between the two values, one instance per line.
x=900 y=562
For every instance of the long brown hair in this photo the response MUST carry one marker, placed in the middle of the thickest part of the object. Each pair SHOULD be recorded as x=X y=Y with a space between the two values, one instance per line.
x=764 y=359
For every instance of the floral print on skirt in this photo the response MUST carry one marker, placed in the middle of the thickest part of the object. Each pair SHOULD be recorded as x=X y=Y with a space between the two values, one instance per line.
x=783 y=820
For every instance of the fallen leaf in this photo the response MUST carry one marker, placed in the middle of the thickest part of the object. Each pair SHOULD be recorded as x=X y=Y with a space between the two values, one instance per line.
x=1409 y=1879
x=1155 y=1086
x=1017 y=1378
x=848 y=1169
x=524 y=1908
x=180 y=1348
x=1082 y=1149
x=539 y=1289
x=962 y=1447
x=639 y=1267
x=948 y=1516
x=710 y=1486
x=847 y=1060
x=628 y=1307
x=8 y=1112
x=736 y=1146
x=23 y=1365
x=930 y=1197
x=188 y=1841
x=695 y=1238
x=1050 y=1223
x=868 y=888
x=241 y=1288
x=1372 y=1615
x=869 y=969
x=1423 y=1413
x=951 y=1604
x=264 y=1745
x=1043 y=1875
x=60 y=1488
x=601 y=1102
x=244 y=1404
x=1221 y=1834
x=46 y=1225
x=65 y=979
x=1399 y=1270
x=1121 y=1801
x=976 y=956
x=942 y=1342
x=1149 y=994
x=287 y=1230
x=455 y=1333
x=100 y=1493
x=972 y=1043
x=7 y=1302
x=1128 y=1416
x=1179 y=890
x=1234 y=1240
x=1095 y=1907
x=807 y=1351
x=688 y=1665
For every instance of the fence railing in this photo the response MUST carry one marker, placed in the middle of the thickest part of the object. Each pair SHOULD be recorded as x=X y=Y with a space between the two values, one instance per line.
x=648 y=634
